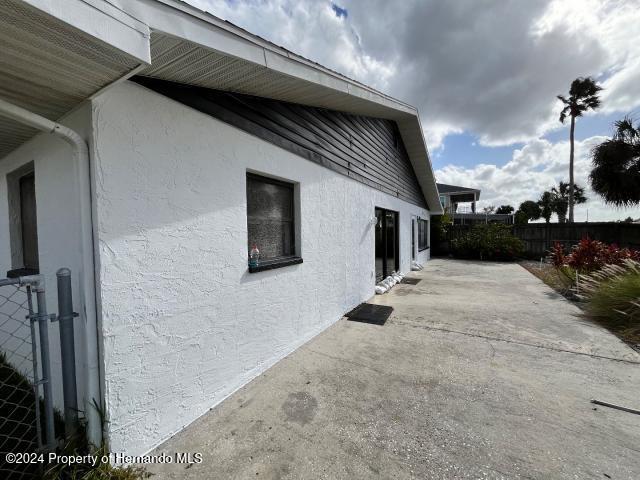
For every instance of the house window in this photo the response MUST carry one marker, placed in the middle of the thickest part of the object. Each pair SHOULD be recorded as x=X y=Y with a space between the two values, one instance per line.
x=423 y=234
x=443 y=201
x=271 y=221
x=23 y=223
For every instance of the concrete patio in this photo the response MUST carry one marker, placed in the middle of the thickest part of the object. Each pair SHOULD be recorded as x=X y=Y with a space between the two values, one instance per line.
x=481 y=372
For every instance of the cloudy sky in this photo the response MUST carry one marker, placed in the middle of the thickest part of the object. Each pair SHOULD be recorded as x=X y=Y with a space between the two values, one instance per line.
x=483 y=73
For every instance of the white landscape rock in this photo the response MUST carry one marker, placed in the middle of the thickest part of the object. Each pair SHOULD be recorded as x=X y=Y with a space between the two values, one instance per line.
x=380 y=289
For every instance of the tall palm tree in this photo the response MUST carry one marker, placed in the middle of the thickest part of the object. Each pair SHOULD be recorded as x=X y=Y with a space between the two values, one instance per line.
x=583 y=96
x=616 y=166
x=561 y=195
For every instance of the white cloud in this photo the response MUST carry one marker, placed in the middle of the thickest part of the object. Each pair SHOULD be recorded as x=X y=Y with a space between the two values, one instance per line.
x=534 y=168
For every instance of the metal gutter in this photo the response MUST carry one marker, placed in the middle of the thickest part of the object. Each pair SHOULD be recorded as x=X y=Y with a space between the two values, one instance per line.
x=87 y=273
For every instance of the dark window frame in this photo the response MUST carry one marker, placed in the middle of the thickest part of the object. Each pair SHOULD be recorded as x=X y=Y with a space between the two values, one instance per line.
x=423 y=234
x=382 y=223
x=20 y=251
x=286 y=259
x=414 y=243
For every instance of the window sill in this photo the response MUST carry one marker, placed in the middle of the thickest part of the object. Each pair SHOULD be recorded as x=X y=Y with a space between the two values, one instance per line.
x=22 y=272
x=423 y=249
x=277 y=263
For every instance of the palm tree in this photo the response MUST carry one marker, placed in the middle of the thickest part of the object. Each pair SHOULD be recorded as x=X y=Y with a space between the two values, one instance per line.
x=616 y=166
x=528 y=210
x=547 y=205
x=561 y=195
x=504 y=210
x=583 y=95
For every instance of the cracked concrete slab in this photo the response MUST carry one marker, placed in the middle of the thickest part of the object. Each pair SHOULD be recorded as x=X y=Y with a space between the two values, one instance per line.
x=480 y=372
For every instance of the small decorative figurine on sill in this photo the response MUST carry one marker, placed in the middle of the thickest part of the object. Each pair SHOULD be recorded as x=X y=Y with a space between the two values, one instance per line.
x=254 y=256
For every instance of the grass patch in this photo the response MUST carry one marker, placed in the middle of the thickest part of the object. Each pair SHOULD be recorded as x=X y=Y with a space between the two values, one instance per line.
x=612 y=298
x=555 y=278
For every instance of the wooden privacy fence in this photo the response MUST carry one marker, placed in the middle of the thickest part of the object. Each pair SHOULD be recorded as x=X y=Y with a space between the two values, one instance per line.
x=442 y=245
x=540 y=237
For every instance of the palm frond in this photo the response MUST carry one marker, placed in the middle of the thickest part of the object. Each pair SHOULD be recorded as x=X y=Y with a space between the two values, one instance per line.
x=616 y=166
x=583 y=96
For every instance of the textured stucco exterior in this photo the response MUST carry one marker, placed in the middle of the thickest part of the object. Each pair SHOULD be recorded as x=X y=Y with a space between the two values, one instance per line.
x=184 y=323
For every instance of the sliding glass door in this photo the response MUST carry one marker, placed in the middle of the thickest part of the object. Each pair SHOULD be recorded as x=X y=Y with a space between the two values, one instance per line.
x=386 y=248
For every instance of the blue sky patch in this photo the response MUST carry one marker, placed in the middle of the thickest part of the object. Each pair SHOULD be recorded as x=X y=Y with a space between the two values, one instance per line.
x=463 y=150
x=340 y=12
x=586 y=127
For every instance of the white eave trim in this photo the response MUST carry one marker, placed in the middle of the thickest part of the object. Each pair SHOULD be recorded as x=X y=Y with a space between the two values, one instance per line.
x=461 y=192
x=104 y=21
x=183 y=21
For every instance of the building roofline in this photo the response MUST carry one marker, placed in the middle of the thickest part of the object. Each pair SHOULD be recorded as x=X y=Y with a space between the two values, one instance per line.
x=267 y=44
x=178 y=20
x=177 y=42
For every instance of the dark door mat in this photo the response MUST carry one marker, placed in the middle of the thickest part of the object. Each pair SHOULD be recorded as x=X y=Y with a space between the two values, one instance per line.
x=370 y=313
x=410 y=281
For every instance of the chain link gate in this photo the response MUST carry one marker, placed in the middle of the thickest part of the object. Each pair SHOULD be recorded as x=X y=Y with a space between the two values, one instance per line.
x=26 y=416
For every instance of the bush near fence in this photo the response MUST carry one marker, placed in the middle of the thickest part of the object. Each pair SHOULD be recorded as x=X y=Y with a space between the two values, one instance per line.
x=493 y=241
x=539 y=238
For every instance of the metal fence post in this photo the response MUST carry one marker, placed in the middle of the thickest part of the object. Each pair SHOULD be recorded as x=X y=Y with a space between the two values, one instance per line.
x=43 y=324
x=34 y=362
x=67 y=349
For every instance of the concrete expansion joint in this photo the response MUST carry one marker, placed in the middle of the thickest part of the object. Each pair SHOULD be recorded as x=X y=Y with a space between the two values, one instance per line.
x=515 y=342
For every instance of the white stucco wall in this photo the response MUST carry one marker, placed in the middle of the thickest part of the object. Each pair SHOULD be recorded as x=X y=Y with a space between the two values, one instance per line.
x=184 y=323
x=58 y=230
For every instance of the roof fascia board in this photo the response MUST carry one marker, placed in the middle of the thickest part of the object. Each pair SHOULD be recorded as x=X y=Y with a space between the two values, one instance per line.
x=174 y=21
x=461 y=192
x=413 y=138
x=101 y=20
x=183 y=21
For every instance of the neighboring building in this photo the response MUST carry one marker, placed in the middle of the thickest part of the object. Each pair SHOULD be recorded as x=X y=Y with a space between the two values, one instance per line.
x=451 y=198
x=187 y=140
x=452 y=195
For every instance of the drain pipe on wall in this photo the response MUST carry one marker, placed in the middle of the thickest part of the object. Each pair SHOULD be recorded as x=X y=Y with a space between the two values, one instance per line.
x=87 y=275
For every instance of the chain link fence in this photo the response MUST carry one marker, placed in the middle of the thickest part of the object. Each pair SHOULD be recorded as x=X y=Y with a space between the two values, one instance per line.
x=26 y=416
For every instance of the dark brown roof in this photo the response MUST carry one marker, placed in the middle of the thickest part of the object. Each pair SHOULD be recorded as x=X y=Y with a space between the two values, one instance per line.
x=444 y=188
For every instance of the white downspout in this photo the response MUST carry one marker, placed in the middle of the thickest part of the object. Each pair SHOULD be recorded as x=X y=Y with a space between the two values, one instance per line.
x=87 y=275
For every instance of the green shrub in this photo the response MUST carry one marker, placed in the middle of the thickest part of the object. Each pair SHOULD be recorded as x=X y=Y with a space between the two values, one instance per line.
x=439 y=226
x=492 y=241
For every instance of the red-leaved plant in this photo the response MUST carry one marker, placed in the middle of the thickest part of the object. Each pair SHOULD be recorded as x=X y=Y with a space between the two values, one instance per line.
x=591 y=255
x=557 y=256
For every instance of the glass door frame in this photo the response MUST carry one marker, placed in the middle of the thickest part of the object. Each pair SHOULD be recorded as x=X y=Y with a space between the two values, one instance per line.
x=381 y=223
